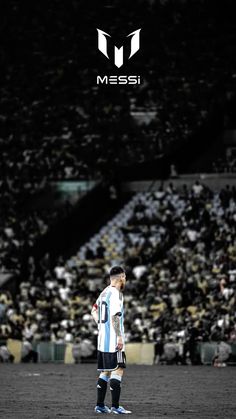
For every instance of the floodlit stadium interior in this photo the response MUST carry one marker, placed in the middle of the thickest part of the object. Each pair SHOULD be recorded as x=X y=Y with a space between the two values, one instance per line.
x=138 y=176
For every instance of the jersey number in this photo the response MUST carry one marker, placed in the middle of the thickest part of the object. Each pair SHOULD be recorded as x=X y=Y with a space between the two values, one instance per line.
x=103 y=312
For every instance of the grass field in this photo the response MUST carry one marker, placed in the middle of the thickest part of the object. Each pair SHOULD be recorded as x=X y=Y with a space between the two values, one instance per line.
x=69 y=391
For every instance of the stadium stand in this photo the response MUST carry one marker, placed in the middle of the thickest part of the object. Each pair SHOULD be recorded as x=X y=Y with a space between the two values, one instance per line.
x=179 y=250
x=52 y=129
x=225 y=164
x=178 y=246
x=78 y=131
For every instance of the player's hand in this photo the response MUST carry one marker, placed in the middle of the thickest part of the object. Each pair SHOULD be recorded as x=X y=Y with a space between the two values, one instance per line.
x=120 y=343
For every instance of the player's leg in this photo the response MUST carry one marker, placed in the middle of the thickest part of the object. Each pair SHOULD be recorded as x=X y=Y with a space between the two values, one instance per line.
x=101 y=392
x=102 y=387
x=115 y=387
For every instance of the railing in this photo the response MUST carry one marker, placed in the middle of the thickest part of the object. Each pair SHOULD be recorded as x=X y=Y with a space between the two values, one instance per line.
x=137 y=353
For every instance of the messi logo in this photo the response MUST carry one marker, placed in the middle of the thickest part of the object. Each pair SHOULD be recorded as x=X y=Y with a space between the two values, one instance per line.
x=119 y=52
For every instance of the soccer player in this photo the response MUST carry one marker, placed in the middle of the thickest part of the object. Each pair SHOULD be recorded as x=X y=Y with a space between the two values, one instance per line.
x=108 y=313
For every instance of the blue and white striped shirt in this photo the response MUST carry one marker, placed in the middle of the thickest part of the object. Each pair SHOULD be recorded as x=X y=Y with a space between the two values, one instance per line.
x=109 y=302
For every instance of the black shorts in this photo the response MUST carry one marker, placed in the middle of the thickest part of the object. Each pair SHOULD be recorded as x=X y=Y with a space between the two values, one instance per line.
x=110 y=361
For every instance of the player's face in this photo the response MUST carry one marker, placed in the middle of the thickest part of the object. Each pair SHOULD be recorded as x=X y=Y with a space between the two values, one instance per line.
x=122 y=281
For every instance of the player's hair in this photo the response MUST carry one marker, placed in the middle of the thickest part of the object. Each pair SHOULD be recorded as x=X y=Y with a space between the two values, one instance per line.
x=116 y=270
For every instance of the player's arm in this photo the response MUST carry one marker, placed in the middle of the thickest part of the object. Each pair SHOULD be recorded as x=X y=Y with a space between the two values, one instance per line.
x=116 y=325
x=94 y=313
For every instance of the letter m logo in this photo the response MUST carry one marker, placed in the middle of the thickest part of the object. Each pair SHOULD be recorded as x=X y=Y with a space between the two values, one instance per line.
x=118 y=52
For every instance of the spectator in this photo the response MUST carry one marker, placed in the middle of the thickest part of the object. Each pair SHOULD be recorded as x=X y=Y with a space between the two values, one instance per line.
x=28 y=353
x=222 y=354
x=170 y=354
x=5 y=355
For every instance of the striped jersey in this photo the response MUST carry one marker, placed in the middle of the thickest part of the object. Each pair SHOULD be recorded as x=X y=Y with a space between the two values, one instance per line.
x=109 y=303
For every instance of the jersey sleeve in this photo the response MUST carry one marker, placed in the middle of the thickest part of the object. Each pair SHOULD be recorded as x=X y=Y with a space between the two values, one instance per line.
x=115 y=304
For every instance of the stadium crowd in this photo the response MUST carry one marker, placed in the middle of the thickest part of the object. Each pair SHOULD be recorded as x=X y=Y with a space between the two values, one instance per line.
x=21 y=224
x=54 y=126
x=178 y=247
x=225 y=164
x=179 y=250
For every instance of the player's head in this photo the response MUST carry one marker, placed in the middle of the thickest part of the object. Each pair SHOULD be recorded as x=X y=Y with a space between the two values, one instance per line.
x=118 y=276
